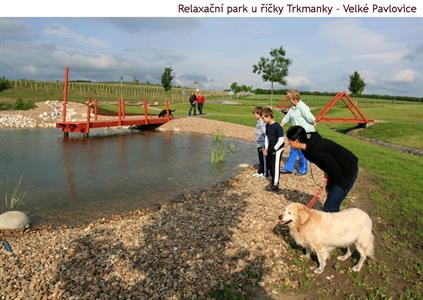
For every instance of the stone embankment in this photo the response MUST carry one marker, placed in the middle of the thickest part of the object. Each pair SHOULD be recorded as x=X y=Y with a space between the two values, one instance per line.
x=46 y=114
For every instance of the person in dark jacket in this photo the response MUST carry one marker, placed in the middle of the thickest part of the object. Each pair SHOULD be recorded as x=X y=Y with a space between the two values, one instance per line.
x=273 y=147
x=339 y=164
x=192 y=104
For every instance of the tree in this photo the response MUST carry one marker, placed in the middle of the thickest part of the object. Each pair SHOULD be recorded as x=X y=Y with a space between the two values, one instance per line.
x=273 y=69
x=4 y=83
x=235 y=87
x=357 y=84
x=167 y=78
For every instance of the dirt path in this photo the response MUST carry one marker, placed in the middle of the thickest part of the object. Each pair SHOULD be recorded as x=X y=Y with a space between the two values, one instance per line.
x=205 y=126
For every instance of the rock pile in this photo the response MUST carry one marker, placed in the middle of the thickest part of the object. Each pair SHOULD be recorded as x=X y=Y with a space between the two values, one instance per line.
x=16 y=121
x=57 y=111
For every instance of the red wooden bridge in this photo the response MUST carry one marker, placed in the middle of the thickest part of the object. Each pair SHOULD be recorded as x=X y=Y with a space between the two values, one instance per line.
x=121 y=120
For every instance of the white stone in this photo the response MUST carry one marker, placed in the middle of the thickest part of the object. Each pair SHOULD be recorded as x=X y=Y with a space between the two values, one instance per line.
x=243 y=165
x=13 y=220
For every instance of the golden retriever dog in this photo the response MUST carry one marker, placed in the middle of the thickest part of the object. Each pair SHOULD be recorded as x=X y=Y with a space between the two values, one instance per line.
x=322 y=232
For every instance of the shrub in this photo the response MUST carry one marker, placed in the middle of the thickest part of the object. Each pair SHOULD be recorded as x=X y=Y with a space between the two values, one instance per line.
x=23 y=105
x=4 y=84
x=219 y=149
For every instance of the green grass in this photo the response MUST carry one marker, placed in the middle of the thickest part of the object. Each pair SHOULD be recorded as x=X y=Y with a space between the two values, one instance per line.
x=403 y=120
x=19 y=104
x=407 y=116
x=401 y=133
x=403 y=126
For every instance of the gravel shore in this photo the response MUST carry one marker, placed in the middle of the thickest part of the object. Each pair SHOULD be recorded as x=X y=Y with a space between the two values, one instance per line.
x=184 y=250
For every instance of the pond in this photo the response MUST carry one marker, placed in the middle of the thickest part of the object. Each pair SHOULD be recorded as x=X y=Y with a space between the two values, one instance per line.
x=77 y=180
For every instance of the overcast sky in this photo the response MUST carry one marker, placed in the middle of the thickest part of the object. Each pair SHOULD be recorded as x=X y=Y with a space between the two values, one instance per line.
x=387 y=52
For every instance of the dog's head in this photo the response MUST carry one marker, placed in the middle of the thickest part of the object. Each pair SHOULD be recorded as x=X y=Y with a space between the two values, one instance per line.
x=295 y=213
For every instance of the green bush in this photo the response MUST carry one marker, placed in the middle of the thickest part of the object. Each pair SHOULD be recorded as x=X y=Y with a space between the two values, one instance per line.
x=4 y=84
x=23 y=105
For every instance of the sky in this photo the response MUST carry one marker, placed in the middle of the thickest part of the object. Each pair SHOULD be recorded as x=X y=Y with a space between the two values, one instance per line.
x=387 y=52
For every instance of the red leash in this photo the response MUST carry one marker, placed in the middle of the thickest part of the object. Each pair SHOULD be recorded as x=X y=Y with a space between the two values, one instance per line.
x=316 y=196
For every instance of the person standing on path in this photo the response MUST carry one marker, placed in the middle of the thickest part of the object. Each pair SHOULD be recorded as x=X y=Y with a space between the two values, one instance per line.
x=298 y=115
x=273 y=147
x=260 y=140
x=200 y=102
x=339 y=164
x=192 y=104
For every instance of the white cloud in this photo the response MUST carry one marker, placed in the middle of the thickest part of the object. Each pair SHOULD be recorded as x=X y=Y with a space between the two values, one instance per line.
x=349 y=34
x=370 y=78
x=350 y=40
x=407 y=82
x=298 y=82
x=381 y=57
x=63 y=32
x=406 y=76
x=78 y=59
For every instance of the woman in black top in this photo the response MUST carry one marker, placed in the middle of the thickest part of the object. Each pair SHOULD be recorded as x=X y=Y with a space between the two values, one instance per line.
x=339 y=164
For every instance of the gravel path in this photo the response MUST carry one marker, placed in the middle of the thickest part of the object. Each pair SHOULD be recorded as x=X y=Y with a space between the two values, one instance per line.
x=184 y=250
x=205 y=126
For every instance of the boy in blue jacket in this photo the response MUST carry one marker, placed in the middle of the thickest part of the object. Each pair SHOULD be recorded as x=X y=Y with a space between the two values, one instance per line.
x=260 y=139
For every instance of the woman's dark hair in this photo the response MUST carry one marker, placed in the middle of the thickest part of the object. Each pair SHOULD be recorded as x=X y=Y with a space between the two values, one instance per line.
x=297 y=133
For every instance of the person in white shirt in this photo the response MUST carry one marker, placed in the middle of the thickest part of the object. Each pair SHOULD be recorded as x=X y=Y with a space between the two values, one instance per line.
x=298 y=115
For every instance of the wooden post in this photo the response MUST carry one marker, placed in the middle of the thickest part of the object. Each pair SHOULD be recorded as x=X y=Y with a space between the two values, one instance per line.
x=120 y=111
x=95 y=110
x=65 y=93
x=167 y=110
x=87 y=128
x=123 y=108
x=145 y=111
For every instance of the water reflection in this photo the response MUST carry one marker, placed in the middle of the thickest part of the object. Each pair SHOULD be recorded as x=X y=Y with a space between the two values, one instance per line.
x=77 y=179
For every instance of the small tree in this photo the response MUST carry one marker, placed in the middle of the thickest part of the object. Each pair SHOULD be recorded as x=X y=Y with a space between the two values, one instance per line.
x=167 y=78
x=273 y=69
x=4 y=84
x=235 y=87
x=246 y=88
x=357 y=84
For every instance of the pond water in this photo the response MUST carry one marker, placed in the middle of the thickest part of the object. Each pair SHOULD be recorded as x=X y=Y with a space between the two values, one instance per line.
x=77 y=180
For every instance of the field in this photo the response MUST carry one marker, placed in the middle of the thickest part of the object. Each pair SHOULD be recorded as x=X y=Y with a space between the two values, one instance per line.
x=392 y=189
x=29 y=90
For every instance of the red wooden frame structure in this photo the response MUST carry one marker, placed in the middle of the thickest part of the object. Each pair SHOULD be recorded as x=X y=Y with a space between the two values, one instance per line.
x=282 y=103
x=350 y=104
x=122 y=120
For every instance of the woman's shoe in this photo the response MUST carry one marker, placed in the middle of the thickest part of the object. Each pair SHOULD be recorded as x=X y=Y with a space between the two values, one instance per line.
x=285 y=172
